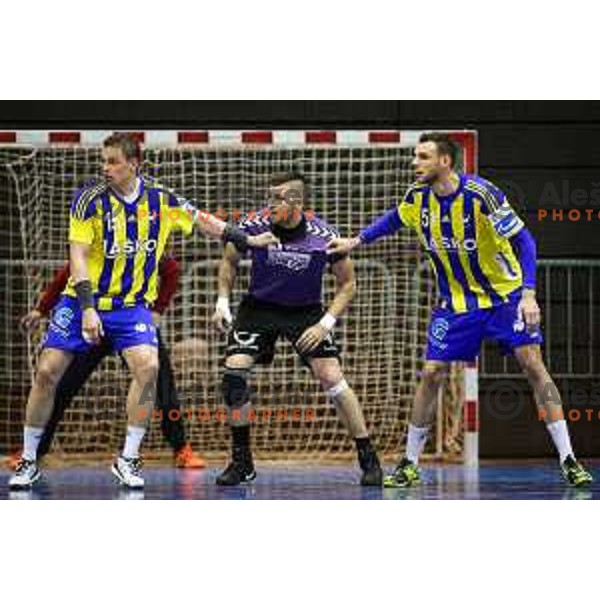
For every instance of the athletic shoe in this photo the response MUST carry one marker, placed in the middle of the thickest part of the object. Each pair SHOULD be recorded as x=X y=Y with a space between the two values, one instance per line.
x=404 y=475
x=574 y=473
x=186 y=458
x=239 y=470
x=26 y=474
x=372 y=475
x=128 y=472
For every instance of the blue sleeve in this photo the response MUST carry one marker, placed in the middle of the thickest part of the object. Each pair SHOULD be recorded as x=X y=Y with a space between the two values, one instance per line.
x=526 y=250
x=387 y=224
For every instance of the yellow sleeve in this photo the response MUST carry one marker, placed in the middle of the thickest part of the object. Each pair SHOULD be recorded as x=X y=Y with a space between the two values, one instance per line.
x=182 y=215
x=81 y=231
x=407 y=211
x=84 y=212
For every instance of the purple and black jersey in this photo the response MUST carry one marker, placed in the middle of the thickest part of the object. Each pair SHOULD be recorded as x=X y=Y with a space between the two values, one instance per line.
x=291 y=273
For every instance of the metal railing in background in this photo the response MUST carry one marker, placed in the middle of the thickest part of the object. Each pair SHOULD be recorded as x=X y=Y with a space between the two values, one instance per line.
x=568 y=293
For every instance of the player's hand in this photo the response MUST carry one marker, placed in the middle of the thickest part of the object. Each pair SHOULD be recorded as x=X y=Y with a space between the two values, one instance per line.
x=262 y=240
x=222 y=318
x=311 y=338
x=91 y=326
x=528 y=310
x=156 y=317
x=31 y=320
x=342 y=245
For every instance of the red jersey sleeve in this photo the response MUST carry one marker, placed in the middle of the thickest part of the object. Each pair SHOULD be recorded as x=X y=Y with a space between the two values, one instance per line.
x=53 y=290
x=168 y=272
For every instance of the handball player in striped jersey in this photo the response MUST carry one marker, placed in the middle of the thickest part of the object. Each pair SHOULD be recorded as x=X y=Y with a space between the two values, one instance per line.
x=119 y=228
x=484 y=260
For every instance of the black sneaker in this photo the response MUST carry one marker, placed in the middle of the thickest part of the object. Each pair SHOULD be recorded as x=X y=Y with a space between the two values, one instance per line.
x=236 y=473
x=369 y=463
x=372 y=477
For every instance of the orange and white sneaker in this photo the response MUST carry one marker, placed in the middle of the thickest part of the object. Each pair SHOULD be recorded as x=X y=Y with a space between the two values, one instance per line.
x=186 y=458
x=12 y=460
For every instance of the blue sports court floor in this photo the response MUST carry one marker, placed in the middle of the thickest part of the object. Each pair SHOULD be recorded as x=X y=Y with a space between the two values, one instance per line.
x=502 y=481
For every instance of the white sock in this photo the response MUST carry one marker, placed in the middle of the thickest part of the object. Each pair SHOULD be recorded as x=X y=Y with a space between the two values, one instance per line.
x=133 y=441
x=31 y=441
x=560 y=436
x=415 y=442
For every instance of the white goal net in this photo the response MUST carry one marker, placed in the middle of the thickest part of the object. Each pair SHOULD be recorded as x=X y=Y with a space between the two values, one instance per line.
x=382 y=335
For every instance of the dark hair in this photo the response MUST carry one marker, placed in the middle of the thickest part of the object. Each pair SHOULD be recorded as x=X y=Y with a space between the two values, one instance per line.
x=444 y=144
x=284 y=176
x=128 y=144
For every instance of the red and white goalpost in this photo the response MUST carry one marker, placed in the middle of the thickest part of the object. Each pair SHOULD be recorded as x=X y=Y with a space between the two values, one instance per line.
x=354 y=176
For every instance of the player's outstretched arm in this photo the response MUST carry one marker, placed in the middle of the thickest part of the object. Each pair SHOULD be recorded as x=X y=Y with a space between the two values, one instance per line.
x=387 y=224
x=343 y=245
x=91 y=324
x=345 y=283
x=217 y=229
x=222 y=318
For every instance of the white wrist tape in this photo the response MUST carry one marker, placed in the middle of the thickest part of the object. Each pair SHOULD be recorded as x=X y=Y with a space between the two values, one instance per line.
x=223 y=307
x=327 y=321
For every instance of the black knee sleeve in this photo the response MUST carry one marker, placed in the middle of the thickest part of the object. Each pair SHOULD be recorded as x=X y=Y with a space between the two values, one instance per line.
x=235 y=387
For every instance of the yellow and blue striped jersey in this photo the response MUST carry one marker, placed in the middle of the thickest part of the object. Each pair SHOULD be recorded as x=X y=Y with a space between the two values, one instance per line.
x=127 y=239
x=466 y=236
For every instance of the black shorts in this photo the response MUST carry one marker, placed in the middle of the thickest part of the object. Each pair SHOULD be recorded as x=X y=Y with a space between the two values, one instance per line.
x=259 y=324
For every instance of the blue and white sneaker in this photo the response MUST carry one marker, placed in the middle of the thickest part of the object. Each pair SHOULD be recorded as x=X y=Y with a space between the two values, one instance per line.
x=26 y=474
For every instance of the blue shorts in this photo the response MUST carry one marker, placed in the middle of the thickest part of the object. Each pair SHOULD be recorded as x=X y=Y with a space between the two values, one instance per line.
x=123 y=327
x=458 y=336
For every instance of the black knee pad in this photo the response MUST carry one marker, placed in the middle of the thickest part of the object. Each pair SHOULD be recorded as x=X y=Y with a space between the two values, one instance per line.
x=235 y=387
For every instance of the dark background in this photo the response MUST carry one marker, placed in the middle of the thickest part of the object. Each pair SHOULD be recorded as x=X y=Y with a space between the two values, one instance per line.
x=544 y=154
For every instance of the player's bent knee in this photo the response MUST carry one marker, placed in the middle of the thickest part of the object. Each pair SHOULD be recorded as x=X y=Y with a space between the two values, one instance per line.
x=151 y=366
x=334 y=392
x=148 y=371
x=435 y=374
x=235 y=387
x=330 y=377
x=530 y=360
x=46 y=377
x=239 y=361
x=327 y=371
